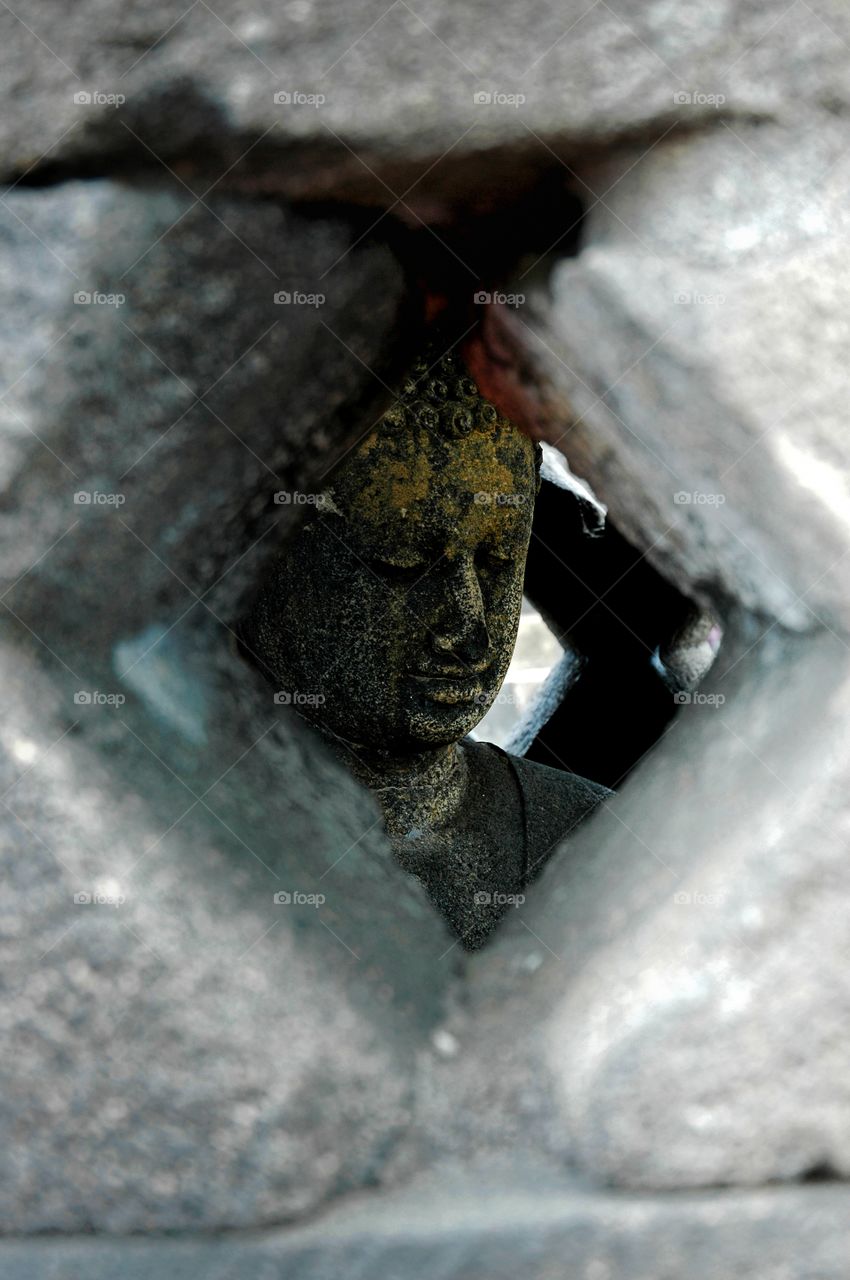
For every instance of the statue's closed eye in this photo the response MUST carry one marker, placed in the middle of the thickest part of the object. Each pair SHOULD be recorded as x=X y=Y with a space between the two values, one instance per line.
x=399 y=568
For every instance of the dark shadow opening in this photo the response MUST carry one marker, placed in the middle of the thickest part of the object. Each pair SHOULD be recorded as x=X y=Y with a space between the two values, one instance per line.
x=640 y=644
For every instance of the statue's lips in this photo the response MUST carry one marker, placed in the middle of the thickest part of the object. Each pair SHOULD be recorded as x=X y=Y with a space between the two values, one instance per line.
x=450 y=690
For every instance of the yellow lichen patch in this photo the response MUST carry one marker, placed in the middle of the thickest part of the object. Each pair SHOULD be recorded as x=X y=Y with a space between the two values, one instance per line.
x=395 y=484
x=368 y=444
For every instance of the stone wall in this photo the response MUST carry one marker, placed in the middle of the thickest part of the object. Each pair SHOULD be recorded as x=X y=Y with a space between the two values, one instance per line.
x=645 y=1074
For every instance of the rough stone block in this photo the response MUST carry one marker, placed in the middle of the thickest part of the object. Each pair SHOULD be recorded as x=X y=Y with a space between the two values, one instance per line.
x=694 y=357
x=185 y=1049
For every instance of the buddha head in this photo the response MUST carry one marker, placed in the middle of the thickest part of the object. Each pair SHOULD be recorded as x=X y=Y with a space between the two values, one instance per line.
x=391 y=616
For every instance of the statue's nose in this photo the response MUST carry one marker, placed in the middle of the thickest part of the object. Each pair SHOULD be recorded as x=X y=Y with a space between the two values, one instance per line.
x=460 y=631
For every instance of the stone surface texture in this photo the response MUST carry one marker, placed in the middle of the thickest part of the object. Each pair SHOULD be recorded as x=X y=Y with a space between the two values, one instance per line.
x=201 y=1080
x=695 y=349
x=202 y=77
x=466 y=1231
x=183 y=1049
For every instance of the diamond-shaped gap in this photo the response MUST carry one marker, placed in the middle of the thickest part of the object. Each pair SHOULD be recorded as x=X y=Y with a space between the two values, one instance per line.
x=623 y=642
x=640 y=642
x=622 y=634
x=607 y=648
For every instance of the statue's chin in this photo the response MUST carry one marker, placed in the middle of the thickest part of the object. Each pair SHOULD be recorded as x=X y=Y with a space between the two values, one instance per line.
x=442 y=725
x=409 y=731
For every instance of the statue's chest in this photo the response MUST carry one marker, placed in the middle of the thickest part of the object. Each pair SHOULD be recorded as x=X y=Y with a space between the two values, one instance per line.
x=473 y=868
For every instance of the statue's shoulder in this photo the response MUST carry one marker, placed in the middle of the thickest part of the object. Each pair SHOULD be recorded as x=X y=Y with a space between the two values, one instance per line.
x=554 y=801
x=539 y=781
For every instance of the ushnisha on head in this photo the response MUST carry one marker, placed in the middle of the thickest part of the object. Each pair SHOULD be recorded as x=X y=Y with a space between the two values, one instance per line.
x=396 y=604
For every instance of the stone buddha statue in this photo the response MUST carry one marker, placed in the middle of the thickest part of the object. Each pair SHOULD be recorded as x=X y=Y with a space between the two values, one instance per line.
x=391 y=619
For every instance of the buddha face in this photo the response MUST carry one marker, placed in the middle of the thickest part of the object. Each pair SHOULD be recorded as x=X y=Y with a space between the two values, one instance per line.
x=392 y=616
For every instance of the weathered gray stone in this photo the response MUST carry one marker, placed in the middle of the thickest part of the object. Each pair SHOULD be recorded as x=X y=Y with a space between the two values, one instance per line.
x=694 y=353
x=199 y=1054
x=698 y=1042
x=202 y=1057
x=399 y=82
x=680 y=977
x=182 y=413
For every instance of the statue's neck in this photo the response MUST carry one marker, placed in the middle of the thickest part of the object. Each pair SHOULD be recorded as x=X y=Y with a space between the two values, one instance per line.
x=423 y=790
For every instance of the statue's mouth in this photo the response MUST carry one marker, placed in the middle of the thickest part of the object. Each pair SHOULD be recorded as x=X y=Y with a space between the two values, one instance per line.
x=451 y=690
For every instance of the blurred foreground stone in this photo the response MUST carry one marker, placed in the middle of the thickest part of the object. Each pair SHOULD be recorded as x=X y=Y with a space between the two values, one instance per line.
x=310 y=99
x=185 y=1047
x=667 y=1011
x=462 y=1233
x=694 y=354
